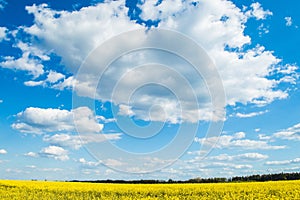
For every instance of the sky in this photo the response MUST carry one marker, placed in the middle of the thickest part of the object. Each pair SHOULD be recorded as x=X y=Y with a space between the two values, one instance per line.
x=148 y=89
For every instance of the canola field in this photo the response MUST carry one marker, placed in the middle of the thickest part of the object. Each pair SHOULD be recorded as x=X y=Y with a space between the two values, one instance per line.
x=39 y=190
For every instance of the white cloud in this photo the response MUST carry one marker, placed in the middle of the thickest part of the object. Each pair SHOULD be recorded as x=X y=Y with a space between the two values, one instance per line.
x=104 y=120
x=85 y=121
x=24 y=63
x=263 y=29
x=252 y=156
x=240 y=157
x=242 y=166
x=3 y=32
x=243 y=72
x=288 y=69
x=73 y=35
x=33 y=83
x=258 y=12
x=155 y=11
x=65 y=140
x=264 y=137
x=89 y=163
x=253 y=114
x=288 y=21
x=284 y=162
x=58 y=153
x=218 y=164
x=40 y=120
x=289 y=79
x=1 y=101
x=53 y=80
x=77 y=141
x=209 y=18
x=50 y=169
x=31 y=166
x=53 y=76
x=229 y=165
x=125 y=110
x=3 y=151
x=236 y=141
x=239 y=135
x=31 y=154
x=30 y=61
x=15 y=171
x=67 y=83
x=291 y=133
x=289 y=74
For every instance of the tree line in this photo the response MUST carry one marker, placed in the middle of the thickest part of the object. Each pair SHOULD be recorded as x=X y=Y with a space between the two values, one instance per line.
x=258 y=177
x=268 y=177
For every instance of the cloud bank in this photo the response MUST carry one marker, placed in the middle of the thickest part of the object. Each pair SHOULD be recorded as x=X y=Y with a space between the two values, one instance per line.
x=218 y=26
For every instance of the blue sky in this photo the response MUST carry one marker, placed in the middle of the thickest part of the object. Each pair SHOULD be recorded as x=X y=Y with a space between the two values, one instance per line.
x=152 y=113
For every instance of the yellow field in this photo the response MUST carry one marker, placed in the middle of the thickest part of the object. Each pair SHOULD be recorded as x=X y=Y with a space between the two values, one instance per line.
x=24 y=190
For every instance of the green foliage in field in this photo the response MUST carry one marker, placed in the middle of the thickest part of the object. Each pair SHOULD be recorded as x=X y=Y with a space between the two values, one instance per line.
x=23 y=190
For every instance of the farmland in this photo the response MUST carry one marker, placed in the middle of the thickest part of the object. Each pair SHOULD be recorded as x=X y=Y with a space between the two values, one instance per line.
x=67 y=190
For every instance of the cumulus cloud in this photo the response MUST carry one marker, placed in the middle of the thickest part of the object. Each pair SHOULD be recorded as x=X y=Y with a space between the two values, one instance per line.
x=30 y=61
x=291 y=133
x=258 y=12
x=53 y=76
x=227 y=23
x=24 y=63
x=284 y=162
x=77 y=141
x=288 y=69
x=33 y=83
x=218 y=164
x=88 y=163
x=51 y=81
x=245 y=71
x=230 y=165
x=50 y=169
x=31 y=154
x=248 y=115
x=264 y=137
x=3 y=32
x=114 y=163
x=155 y=10
x=58 y=153
x=105 y=120
x=74 y=34
x=240 y=157
x=40 y=120
x=288 y=73
x=3 y=151
x=237 y=140
x=288 y=21
x=125 y=110
x=66 y=83
x=251 y=156
x=45 y=121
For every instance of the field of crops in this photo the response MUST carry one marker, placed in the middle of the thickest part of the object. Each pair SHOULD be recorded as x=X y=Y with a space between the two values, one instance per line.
x=24 y=190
